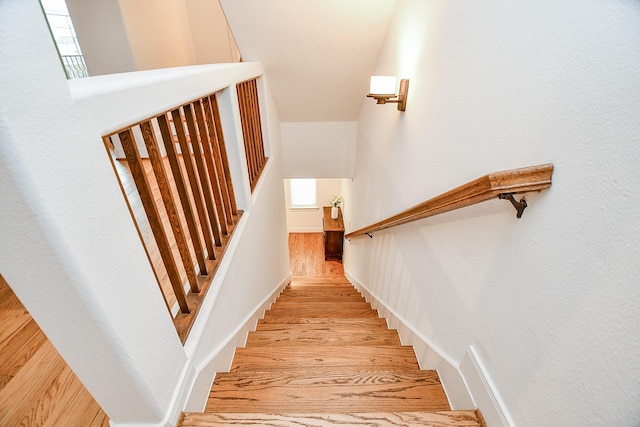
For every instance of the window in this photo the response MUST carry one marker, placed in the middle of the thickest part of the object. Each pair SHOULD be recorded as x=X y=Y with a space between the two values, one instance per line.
x=65 y=38
x=303 y=193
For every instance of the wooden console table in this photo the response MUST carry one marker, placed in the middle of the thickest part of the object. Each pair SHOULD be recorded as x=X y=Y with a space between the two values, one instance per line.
x=333 y=234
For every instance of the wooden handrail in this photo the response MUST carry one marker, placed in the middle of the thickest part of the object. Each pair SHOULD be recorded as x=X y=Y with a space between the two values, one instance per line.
x=514 y=181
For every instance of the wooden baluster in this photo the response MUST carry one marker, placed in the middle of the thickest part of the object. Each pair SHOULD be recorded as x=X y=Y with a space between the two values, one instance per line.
x=211 y=167
x=165 y=190
x=202 y=173
x=142 y=184
x=193 y=181
x=251 y=136
x=246 y=132
x=258 y=124
x=222 y=150
x=254 y=136
x=218 y=161
x=167 y=138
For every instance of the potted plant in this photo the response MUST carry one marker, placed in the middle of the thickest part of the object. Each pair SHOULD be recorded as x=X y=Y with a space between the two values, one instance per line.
x=335 y=201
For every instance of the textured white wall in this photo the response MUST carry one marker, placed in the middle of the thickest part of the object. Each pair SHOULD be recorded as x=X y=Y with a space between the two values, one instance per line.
x=210 y=34
x=118 y=37
x=318 y=149
x=158 y=33
x=309 y=220
x=551 y=301
x=102 y=36
x=68 y=246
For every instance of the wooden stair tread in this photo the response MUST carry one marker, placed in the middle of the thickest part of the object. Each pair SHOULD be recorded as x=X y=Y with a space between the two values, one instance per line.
x=325 y=336
x=316 y=286
x=303 y=281
x=373 y=419
x=327 y=311
x=348 y=325
x=277 y=323
x=332 y=392
x=319 y=358
x=321 y=300
x=321 y=294
x=320 y=305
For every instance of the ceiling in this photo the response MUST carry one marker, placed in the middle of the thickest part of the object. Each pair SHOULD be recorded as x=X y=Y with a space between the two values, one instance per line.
x=318 y=54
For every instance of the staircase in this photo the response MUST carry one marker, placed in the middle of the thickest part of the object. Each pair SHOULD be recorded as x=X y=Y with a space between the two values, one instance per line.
x=321 y=357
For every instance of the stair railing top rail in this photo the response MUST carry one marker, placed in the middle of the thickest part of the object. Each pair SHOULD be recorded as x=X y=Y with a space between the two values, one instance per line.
x=502 y=184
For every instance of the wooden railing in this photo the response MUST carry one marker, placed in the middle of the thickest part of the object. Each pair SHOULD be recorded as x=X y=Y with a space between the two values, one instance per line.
x=498 y=184
x=184 y=207
x=251 y=129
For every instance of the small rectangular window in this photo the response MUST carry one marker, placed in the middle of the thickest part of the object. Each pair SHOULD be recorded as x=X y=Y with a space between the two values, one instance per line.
x=303 y=193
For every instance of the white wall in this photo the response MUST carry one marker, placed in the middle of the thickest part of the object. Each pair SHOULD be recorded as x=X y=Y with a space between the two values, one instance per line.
x=158 y=33
x=550 y=302
x=211 y=36
x=69 y=248
x=318 y=149
x=102 y=36
x=309 y=220
x=121 y=36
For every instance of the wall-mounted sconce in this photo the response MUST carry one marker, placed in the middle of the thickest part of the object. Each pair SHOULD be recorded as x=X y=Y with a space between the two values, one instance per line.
x=383 y=90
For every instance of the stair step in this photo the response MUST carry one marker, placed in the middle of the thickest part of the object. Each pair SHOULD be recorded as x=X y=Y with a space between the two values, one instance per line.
x=294 y=299
x=375 y=419
x=328 y=310
x=314 y=293
x=316 y=305
x=280 y=323
x=323 y=358
x=304 y=281
x=324 y=335
x=333 y=392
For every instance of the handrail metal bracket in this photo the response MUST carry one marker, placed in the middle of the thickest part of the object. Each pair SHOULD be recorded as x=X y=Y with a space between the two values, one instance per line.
x=370 y=235
x=519 y=205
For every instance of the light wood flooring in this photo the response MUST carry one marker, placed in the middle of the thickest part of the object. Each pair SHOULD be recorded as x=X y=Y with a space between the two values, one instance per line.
x=306 y=257
x=321 y=356
x=37 y=387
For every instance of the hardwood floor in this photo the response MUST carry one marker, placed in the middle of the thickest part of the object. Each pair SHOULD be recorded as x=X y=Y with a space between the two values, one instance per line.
x=322 y=357
x=37 y=387
x=306 y=257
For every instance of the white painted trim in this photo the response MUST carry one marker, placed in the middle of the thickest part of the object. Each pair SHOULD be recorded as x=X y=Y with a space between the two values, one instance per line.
x=221 y=357
x=181 y=396
x=303 y=208
x=429 y=355
x=483 y=391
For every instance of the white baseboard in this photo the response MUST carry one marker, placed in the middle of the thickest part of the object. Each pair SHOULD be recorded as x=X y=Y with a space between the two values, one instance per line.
x=428 y=354
x=221 y=358
x=483 y=391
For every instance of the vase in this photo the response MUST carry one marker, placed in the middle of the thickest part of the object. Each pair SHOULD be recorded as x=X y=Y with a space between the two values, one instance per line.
x=334 y=212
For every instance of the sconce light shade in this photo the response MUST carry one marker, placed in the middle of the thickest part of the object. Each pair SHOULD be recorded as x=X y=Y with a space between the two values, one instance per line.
x=383 y=90
x=383 y=85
